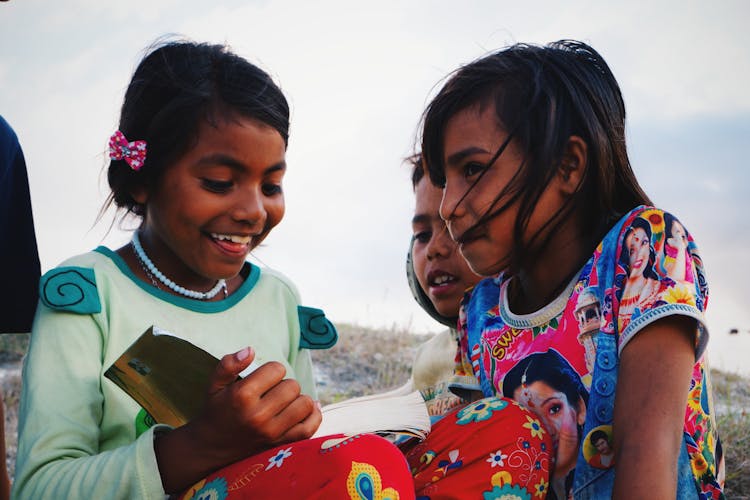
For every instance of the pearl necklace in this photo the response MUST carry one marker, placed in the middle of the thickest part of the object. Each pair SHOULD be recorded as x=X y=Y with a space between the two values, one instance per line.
x=152 y=271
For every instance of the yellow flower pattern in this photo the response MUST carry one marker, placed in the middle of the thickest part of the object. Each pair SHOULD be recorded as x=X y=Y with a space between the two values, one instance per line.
x=680 y=294
x=364 y=483
x=699 y=464
x=541 y=488
x=535 y=426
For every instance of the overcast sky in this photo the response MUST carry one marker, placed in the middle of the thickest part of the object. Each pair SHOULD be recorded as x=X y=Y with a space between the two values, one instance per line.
x=358 y=76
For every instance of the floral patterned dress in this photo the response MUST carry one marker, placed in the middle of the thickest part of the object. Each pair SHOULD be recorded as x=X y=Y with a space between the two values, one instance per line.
x=561 y=362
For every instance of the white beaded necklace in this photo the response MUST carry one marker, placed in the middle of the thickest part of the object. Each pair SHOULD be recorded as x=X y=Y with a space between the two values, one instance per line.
x=151 y=269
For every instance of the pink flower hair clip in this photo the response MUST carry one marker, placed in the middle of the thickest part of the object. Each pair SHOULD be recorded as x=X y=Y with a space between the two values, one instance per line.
x=134 y=153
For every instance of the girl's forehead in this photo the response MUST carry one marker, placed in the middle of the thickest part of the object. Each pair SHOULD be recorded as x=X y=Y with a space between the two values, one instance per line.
x=544 y=387
x=426 y=192
x=469 y=131
x=243 y=145
x=427 y=202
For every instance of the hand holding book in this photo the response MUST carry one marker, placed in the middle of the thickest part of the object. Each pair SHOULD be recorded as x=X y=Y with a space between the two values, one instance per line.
x=239 y=418
x=169 y=377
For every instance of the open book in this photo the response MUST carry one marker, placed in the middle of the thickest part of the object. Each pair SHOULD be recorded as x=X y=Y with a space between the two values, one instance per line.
x=168 y=376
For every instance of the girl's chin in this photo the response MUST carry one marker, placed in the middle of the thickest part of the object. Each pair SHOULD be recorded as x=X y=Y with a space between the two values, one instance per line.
x=484 y=268
x=448 y=307
x=481 y=263
x=227 y=272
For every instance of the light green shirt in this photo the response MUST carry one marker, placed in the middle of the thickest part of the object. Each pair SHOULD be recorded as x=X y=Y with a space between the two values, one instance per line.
x=77 y=429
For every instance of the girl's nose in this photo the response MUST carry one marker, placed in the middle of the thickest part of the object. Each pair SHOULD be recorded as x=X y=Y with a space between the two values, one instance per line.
x=441 y=244
x=451 y=205
x=249 y=208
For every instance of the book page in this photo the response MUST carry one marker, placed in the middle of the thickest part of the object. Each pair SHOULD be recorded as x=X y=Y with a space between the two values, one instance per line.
x=386 y=413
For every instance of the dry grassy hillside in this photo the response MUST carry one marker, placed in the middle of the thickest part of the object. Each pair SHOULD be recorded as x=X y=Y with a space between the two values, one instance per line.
x=367 y=361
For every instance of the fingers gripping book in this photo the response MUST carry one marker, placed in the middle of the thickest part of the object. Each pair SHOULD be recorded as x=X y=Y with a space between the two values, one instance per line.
x=173 y=388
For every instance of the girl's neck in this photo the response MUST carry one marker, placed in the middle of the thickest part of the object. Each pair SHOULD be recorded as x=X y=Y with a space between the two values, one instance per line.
x=198 y=283
x=154 y=274
x=536 y=285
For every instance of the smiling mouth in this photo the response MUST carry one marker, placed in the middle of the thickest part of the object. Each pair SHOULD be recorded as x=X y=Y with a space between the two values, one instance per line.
x=442 y=280
x=232 y=243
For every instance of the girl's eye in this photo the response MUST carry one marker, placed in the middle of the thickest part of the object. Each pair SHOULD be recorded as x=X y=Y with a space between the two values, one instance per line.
x=271 y=189
x=554 y=409
x=423 y=236
x=216 y=186
x=473 y=168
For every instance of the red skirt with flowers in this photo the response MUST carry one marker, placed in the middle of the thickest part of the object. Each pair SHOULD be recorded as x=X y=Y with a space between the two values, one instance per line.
x=332 y=467
x=492 y=448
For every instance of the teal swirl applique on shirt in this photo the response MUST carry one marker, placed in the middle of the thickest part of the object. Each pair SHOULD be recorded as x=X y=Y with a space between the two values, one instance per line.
x=143 y=422
x=71 y=289
x=316 y=331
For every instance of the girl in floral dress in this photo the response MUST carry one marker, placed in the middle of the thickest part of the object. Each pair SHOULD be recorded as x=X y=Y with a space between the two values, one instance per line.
x=528 y=144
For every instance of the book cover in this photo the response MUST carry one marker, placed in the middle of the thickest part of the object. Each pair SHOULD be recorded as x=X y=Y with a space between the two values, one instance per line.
x=168 y=376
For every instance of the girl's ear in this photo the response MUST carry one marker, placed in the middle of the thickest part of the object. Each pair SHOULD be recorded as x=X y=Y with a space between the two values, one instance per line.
x=139 y=193
x=573 y=164
x=581 y=413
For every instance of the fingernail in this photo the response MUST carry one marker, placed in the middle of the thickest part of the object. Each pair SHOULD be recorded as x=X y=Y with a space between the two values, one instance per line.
x=244 y=353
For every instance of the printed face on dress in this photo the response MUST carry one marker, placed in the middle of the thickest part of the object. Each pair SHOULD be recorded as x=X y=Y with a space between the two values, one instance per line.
x=678 y=238
x=441 y=270
x=215 y=203
x=472 y=138
x=561 y=418
x=638 y=250
x=602 y=445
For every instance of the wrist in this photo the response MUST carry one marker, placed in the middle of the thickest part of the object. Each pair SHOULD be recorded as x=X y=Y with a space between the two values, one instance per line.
x=181 y=460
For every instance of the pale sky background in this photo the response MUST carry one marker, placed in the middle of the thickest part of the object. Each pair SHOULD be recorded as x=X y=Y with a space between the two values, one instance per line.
x=357 y=76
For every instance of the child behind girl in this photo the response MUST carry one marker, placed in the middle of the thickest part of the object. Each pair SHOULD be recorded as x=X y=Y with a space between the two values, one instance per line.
x=465 y=455
x=438 y=277
x=199 y=156
x=529 y=145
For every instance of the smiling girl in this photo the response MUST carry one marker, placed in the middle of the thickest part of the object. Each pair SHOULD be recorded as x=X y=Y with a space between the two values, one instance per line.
x=199 y=156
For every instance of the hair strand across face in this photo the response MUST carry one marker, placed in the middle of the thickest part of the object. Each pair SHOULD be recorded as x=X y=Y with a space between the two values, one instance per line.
x=542 y=96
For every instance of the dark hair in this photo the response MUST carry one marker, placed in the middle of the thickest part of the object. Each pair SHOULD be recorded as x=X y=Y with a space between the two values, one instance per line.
x=552 y=369
x=541 y=96
x=597 y=435
x=649 y=271
x=175 y=88
x=417 y=169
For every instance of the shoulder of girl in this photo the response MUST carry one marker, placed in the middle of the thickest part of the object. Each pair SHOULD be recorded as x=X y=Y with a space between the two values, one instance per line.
x=266 y=273
x=71 y=287
x=316 y=331
x=653 y=215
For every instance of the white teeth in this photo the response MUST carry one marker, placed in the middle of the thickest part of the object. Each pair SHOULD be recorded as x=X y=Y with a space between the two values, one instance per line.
x=442 y=279
x=231 y=237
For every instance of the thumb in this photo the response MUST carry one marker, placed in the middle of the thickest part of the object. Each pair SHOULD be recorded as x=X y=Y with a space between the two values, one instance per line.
x=229 y=368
